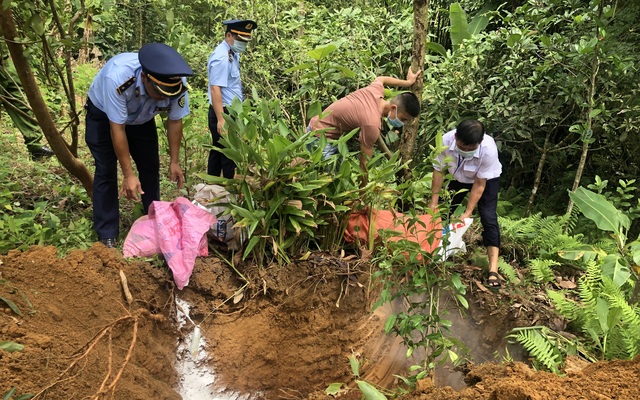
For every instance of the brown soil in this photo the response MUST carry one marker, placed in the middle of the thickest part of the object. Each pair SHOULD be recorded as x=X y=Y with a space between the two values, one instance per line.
x=288 y=335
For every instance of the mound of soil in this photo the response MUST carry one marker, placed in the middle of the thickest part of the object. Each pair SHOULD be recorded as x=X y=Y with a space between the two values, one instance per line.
x=77 y=328
x=516 y=381
x=272 y=333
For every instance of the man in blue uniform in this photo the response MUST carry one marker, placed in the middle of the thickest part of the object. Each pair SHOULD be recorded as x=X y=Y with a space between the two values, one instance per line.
x=125 y=96
x=223 y=69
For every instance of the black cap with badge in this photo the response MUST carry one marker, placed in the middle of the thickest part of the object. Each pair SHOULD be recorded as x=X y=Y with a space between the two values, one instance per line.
x=241 y=27
x=165 y=68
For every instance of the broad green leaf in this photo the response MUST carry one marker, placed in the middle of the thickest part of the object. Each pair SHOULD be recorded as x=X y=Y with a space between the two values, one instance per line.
x=614 y=317
x=391 y=321
x=459 y=26
x=410 y=351
x=452 y=356
x=11 y=346
x=252 y=243
x=436 y=48
x=457 y=282
x=12 y=306
x=6 y=4
x=513 y=39
x=635 y=252
x=315 y=109
x=612 y=268
x=169 y=19
x=36 y=24
x=463 y=302
x=321 y=52
x=478 y=23
x=309 y=223
x=602 y=311
x=346 y=72
x=298 y=67
x=586 y=252
x=355 y=365
x=334 y=389
x=546 y=41
x=595 y=113
x=295 y=225
x=369 y=391
x=598 y=209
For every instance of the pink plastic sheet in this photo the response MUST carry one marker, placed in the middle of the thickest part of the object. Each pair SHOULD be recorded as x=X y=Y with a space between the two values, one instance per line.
x=177 y=230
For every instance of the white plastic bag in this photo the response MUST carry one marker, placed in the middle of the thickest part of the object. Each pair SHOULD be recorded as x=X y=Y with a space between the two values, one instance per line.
x=456 y=244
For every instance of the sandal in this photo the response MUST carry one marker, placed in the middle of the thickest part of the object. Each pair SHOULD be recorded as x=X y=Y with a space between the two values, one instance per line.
x=493 y=281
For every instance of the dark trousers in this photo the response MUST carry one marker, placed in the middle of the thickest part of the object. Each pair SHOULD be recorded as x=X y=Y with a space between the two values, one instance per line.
x=218 y=162
x=486 y=208
x=143 y=147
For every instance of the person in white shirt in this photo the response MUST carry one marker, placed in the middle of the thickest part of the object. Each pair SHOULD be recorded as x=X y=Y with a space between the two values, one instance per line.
x=472 y=159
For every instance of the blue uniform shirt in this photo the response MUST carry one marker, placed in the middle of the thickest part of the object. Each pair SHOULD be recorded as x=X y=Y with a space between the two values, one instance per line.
x=131 y=106
x=224 y=70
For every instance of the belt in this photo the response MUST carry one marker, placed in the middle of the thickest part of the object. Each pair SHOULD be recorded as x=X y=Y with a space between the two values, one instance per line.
x=95 y=111
x=224 y=109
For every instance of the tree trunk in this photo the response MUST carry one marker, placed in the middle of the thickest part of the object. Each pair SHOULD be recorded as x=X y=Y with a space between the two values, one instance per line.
x=595 y=67
x=538 y=179
x=420 y=31
x=40 y=110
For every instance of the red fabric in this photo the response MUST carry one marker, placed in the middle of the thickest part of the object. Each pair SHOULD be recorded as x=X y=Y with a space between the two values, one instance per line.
x=427 y=232
x=175 y=229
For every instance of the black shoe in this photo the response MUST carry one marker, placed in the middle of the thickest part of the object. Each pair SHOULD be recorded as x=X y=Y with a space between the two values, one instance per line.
x=109 y=242
x=38 y=152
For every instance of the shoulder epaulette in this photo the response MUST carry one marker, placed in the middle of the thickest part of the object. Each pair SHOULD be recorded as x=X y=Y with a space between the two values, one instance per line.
x=126 y=85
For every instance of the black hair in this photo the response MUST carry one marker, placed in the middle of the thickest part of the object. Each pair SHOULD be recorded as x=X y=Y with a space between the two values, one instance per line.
x=470 y=132
x=409 y=103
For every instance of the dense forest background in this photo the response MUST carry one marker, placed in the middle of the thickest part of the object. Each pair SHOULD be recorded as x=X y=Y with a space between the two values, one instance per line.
x=554 y=81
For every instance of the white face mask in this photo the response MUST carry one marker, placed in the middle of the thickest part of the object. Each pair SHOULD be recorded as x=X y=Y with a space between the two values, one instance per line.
x=239 y=46
x=467 y=155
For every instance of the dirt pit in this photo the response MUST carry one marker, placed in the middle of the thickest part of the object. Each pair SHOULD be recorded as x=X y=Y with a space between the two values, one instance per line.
x=285 y=334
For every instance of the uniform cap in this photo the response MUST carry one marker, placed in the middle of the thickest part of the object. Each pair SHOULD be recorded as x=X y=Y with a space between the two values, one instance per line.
x=165 y=68
x=241 y=27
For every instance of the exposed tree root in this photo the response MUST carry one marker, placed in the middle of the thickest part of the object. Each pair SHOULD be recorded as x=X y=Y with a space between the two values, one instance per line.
x=108 y=385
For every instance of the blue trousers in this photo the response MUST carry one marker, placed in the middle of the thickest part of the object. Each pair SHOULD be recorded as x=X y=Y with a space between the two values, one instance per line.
x=143 y=147
x=487 y=206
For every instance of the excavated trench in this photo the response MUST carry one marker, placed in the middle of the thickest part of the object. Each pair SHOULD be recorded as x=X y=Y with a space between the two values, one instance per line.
x=288 y=334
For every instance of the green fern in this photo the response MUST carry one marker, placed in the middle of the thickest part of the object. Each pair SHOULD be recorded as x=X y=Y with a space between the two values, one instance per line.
x=540 y=346
x=629 y=325
x=565 y=307
x=572 y=219
x=603 y=314
x=610 y=288
x=507 y=271
x=538 y=235
x=589 y=284
x=541 y=270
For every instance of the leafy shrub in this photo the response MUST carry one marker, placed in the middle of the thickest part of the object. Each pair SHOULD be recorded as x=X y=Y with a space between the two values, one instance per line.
x=41 y=207
x=285 y=198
